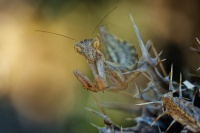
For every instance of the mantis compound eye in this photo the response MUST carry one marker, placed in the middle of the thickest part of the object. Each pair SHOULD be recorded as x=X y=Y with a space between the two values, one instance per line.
x=95 y=43
x=77 y=48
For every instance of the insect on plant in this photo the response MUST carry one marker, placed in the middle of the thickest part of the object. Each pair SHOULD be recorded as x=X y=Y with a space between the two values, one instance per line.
x=123 y=58
x=117 y=65
x=108 y=74
x=179 y=108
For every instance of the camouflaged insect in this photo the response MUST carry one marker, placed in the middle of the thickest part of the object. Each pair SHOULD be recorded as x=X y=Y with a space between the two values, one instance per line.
x=181 y=112
x=108 y=73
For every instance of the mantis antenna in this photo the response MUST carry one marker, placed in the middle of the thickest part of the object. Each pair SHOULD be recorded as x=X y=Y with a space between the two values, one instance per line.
x=73 y=38
x=56 y=34
x=103 y=19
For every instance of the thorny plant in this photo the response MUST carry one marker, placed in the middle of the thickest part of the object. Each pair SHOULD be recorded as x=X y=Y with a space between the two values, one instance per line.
x=118 y=64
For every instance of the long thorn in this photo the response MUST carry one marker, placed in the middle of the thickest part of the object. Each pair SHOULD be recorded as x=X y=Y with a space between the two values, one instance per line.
x=141 y=42
x=171 y=74
x=197 y=40
x=94 y=125
x=159 y=130
x=171 y=88
x=99 y=104
x=170 y=125
x=149 y=103
x=159 y=117
x=138 y=92
x=160 y=64
x=161 y=89
x=180 y=86
x=97 y=113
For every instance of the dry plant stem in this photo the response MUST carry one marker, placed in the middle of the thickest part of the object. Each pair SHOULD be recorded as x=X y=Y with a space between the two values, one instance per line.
x=155 y=83
x=146 y=63
x=114 y=70
x=181 y=110
x=110 y=126
x=160 y=64
x=99 y=103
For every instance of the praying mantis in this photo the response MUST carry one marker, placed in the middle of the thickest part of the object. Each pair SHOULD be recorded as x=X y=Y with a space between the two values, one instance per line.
x=122 y=65
x=122 y=57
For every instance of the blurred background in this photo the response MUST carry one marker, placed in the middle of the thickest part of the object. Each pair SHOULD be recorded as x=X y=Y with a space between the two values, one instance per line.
x=38 y=91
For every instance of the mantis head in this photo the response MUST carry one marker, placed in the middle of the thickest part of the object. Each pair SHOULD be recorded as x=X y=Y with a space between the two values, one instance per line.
x=87 y=48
